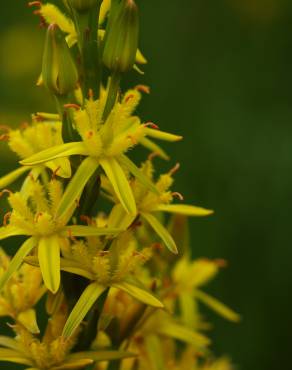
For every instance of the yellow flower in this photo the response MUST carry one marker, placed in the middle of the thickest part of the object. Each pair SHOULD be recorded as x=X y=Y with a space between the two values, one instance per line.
x=21 y=294
x=52 y=352
x=104 y=144
x=36 y=216
x=150 y=203
x=114 y=269
x=32 y=139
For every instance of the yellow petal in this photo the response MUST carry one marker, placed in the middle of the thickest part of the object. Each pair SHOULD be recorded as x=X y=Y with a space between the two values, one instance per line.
x=161 y=135
x=120 y=183
x=28 y=320
x=12 y=176
x=49 y=260
x=184 y=209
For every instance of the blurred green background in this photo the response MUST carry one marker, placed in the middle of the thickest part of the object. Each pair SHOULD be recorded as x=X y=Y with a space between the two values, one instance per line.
x=220 y=74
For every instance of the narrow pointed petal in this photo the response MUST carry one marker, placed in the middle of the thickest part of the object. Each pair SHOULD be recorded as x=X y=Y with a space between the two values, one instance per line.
x=49 y=260
x=119 y=218
x=17 y=260
x=74 y=268
x=139 y=292
x=58 y=151
x=161 y=135
x=120 y=183
x=217 y=306
x=74 y=364
x=29 y=321
x=135 y=171
x=153 y=147
x=8 y=231
x=161 y=232
x=9 y=343
x=101 y=355
x=81 y=230
x=84 y=304
x=184 y=334
x=10 y=355
x=75 y=188
x=185 y=209
x=12 y=176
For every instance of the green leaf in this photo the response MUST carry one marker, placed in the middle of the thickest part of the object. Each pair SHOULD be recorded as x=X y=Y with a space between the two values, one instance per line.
x=17 y=260
x=81 y=230
x=75 y=188
x=217 y=306
x=139 y=292
x=161 y=135
x=101 y=355
x=14 y=356
x=8 y=231
x=184 y=334
x=138 y=173
x=58 y=151
x=161 y=232
x=184 y=209
x=12 y=176
x=120 y=184
x=83 y=305
x=49 y=259
x=153 y=147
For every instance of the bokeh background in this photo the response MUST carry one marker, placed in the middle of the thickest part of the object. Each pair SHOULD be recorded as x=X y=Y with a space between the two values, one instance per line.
x=220 y=73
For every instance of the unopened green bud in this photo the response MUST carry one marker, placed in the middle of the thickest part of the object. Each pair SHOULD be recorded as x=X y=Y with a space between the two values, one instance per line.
x=82 y=5
x=59 y=71
x=121 y=39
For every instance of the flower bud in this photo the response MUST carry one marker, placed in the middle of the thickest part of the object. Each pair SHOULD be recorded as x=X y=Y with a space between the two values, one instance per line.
x=59 y=71
x=121 y=39
x=82 y=5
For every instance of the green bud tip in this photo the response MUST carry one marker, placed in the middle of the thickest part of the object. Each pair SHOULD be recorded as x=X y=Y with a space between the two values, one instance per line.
x=59 y=71
x=121 y=39
x=82 y=5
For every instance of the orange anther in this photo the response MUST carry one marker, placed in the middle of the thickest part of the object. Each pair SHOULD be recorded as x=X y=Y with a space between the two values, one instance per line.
x=86 y=219
x=54 y=174
x=152 y=155
x=174 y=169
x=129 y=97
x=4 y=137
x=5 y=128
x=151 y=124
x=90 y=94
x=6 y=218
x=71 y=236
x=177 y=195
x=34 y=3
x=5 y=191
x=72 y=105
x=143 y=88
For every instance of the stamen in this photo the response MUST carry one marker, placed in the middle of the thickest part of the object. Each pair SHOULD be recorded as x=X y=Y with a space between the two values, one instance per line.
x=152 y=155
x=54 y=174
x=90 y=94
x=6 y=191
x=86 y=219
x=89 y=134
x=4 y=137
x=5 y=128
x=38 y=215
x=34 y=3
x=133 y=139
x=174 y=169
x=24 y=125
x=6 y=218
x=151 y=124
x=71 y=237
x=103 y=253
x=221 y=262
x=72 y=105
x=177 y=195
x=131 y=96
x=143 y=88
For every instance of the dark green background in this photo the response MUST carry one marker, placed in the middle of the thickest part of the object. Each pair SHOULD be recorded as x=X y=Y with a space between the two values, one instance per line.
x=220 y=73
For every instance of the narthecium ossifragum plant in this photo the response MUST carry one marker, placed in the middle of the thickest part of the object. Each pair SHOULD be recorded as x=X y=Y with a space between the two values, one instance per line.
x=120 y=287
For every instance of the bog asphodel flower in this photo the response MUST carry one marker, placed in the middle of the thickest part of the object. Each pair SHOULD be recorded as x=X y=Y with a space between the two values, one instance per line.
x=35 y=216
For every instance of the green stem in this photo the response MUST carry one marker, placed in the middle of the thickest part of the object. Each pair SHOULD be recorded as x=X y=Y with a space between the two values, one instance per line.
x=112 y=94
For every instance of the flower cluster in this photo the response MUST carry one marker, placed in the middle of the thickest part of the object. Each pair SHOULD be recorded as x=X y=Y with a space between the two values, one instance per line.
x=104 y=241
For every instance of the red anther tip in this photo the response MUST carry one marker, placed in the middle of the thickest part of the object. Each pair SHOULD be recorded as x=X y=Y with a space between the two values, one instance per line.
x=177 y=195
x=4 y=137
x=131 y=96
x=5 y=128
x=72 y=105
x=5 y=191
x=221 y=262
x=6 y=218
x=152 y=125
x=133 y=140
x=54 y=174
x=71 y=236
x=174 y=169
x=143 y=88
x=34 y=3
x=86 y=219
x=89 y=134
x=152 y=155
x=90 y=94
